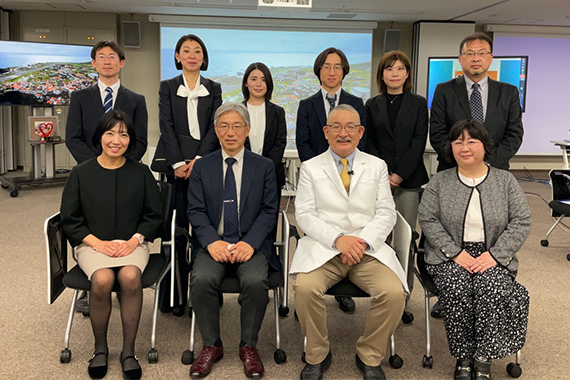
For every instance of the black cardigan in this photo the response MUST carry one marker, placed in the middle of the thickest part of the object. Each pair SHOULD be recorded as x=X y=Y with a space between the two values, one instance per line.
x=110 y=204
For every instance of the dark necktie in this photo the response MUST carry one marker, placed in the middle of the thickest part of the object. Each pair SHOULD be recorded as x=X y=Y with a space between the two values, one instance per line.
x=231 y=227
x=331 y=100
x=476 y=104
x=108 y=103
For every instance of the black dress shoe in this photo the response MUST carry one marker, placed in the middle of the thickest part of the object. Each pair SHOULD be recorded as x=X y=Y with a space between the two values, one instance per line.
x=436 y=311
x=346 y=304
x=98 y=372
x=133 y=372
x=315 y=372
x=463 y=370
x=369 y=372
x=482 y=370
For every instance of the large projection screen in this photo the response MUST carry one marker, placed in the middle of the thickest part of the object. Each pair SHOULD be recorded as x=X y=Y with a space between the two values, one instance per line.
x=289 y=55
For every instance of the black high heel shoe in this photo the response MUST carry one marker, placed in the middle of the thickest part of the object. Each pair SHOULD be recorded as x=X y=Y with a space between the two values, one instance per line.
x=98 y=372
x=134 y=373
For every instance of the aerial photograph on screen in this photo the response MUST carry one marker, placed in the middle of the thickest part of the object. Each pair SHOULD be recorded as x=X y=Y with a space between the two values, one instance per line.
x=43 y=74
x=289 y=56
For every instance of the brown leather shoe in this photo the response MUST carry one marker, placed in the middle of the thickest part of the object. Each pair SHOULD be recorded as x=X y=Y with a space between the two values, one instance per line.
x=252 y=364
x=203 y=364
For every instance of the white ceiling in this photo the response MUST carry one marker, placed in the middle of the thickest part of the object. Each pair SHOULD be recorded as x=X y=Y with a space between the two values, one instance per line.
x=515 y=12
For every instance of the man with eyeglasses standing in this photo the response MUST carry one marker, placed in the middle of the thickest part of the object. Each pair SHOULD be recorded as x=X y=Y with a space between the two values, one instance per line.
x=232 y=207
x=476 y=96
x=331 y=66
x=346 y=210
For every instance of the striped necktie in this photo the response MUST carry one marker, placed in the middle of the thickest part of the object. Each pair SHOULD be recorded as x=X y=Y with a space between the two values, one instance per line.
x=108 y=103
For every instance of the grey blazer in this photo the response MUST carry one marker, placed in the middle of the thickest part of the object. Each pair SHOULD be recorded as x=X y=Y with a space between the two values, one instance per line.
x=506 y=216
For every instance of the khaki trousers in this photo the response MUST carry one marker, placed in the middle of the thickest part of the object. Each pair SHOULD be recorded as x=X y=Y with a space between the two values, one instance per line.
x=386 y=306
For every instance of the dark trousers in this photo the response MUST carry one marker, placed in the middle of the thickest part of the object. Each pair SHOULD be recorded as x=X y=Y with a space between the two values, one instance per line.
x=204 y=284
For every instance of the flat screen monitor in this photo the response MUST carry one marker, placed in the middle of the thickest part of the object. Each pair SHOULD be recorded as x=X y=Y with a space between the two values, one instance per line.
x=511 y=70
x=42 y=74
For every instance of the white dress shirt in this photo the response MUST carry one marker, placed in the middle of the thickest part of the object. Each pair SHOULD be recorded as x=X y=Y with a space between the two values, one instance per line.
x=257 y=131
x=103 y=91
x=327 y=104
x=473 y=229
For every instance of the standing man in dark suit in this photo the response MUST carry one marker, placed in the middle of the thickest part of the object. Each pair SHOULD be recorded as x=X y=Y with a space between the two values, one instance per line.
x=476 y=96
x=232 y=207
x=88 y=105
x=331 y=66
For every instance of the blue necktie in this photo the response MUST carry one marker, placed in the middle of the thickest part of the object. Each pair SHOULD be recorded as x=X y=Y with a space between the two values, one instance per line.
x=331 y=100
x=231 y=224
x=476 y=104
x=108 y=103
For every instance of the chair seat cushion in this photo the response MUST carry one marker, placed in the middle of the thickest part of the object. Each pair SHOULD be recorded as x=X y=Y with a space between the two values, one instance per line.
x=77 y=279
x=230 y=284
x=560 y=208
x=346 y=288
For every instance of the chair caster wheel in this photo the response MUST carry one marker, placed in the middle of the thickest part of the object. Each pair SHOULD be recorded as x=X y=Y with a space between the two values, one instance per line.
x=187 y=357
x=85 y=311
x=178 y=311
x=14 y=193
x=280 y=356
x=514 y=370
x=407 y=317
x=396 y=361
x=4 y=186
x=65 y=356
x=190 y=311
x=544 y=243
x=427 y=361
x=153 y=356
x=303 y=358
x=283 y=311
x=568 y=257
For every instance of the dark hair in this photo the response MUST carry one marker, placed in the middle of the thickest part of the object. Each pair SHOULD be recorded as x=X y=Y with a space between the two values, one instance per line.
x=476 y=131
x=321 y=58
x=474 y=37
x=191 y=37
x=107 y=43
x=108 y=121
x=268 y=80
x=388 y=60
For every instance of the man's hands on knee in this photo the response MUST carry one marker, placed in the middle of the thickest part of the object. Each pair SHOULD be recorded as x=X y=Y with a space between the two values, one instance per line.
x=224 y=252
x=351 y=249
x=241 y=252
x=220 y=252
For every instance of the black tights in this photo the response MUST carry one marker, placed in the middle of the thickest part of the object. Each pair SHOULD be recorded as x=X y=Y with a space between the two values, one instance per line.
x=102 y=281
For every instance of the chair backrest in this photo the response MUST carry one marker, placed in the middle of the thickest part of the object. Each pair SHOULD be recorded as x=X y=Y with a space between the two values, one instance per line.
x=560 y=182
x=56 y=250
x=165 y=190
x=402 y=241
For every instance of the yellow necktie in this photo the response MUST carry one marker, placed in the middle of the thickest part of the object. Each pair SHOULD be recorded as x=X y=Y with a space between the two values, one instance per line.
x=344 y=176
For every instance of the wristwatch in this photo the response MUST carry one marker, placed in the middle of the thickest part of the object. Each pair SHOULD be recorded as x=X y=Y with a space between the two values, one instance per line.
x=139 y=237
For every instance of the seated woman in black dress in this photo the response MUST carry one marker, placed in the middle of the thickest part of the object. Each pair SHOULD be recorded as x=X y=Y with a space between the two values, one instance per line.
x=110 y=207
x=475 y=218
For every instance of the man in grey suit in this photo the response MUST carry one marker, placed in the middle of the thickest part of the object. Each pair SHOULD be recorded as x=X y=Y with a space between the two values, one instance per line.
x=476 y=96
x=88 y=105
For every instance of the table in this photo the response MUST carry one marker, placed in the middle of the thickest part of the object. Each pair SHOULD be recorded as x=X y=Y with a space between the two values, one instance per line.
x=564 y=145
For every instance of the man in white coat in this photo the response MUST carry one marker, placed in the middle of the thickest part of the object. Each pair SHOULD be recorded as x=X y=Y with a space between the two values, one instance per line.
x=345 y=208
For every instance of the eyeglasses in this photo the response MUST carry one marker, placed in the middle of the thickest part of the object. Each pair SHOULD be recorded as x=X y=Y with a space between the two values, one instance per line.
x=224 y=128
x=468 y=143
x=336 y=128
x=327 y=67
x=472 y=54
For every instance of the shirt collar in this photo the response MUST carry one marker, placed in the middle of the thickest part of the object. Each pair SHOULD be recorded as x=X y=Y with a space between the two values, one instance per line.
x=337 y=93
x=238 y=156
x=483 y=83
x=195 y=87
x=349 y=158
x=114 y=86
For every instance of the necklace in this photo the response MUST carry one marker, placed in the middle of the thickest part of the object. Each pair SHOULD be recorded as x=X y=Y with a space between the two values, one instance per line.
x=392 y=100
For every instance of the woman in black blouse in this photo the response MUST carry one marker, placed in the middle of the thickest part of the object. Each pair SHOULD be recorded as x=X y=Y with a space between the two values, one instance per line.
x=397 y=127
x=110 y=207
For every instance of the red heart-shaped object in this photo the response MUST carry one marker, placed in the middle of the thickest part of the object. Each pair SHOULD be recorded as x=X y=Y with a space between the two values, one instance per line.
x=46 y=129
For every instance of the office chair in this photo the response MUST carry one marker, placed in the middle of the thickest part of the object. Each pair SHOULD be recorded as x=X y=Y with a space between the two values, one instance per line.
x=278 y=283
x=59 y=277
x=560 y=182
x=402 y=244
x=430 y=290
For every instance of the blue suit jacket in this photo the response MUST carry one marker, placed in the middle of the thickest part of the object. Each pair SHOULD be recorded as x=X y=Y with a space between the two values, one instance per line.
x=85 y=110
x=257 y=208
x=311 y=118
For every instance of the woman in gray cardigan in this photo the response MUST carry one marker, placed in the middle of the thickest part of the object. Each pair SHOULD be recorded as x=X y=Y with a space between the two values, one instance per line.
x=475 y=218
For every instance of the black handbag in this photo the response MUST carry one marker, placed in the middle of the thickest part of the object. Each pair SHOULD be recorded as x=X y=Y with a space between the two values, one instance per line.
x=189 y=147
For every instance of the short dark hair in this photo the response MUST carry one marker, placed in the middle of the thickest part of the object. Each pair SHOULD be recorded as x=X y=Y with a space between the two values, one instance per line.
x=476 y=130
x=474 y=37
x=108 y=43
x=108 y=121
x=321 y=58
x=268 y=80
x=191 y=37
x=388 y=60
